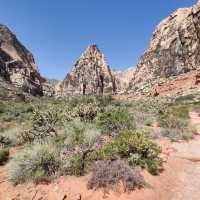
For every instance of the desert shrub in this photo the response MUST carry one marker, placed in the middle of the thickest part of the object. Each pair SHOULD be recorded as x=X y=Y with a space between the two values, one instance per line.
x=10 y=137
x=78 y=162
x=100 y=100
x=4 y=155
x=105 y=100
x=186 y=98
x=81 y=133
x=175 y=124
x=136 y=146
x=153 y=165
x=169 y=120
x=86 y=112
x=80 y=143
x=149 y=105
x=143 y=119
x=15 y=111
x=4 y=141
x=43 y=126
x=111 y=173
x=36 y=163
x=180 y=111
x=175 y=134
x=73 y=165
x=67 y=114
x=115 y=119
x=77 y=100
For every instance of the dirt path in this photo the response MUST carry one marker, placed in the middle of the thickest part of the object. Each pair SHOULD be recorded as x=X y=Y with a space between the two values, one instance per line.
x=189 y=176
x=180 y=179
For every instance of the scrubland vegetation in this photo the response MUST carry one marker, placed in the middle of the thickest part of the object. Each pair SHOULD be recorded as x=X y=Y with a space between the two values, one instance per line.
x=114 y=140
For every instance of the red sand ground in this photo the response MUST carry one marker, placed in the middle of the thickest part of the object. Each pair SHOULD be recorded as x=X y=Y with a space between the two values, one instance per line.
x=180 y=180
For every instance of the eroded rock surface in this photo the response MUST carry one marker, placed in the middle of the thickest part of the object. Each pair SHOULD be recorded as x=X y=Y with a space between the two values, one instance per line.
x=17 y=64
x=123 y=79
x=174 y=49
x=184 y=84
x=90 y=75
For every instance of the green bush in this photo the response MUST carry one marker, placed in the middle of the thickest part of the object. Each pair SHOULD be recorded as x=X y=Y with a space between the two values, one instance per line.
x=86 y=112
x=73 y=165
x=100 y=100
x=79 y=147
x=81 y=133
x=176 y=134
x=36 y=163
x=4 y=155
x=4 y=141
x=74 y=101
x=153 y=165
x=133 y=145
x=15 y=111
x=169 y=120
x=10 y=137
x=104 y=101
x=79 y=162
x=114 y=120
x=43 y=126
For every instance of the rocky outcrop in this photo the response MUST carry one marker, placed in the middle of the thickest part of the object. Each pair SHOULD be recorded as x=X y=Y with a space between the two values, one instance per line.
x=90 y=75
x=182 y=85
x=174 y=49
x=122 y=79
x=49 y=87
x=17 y=64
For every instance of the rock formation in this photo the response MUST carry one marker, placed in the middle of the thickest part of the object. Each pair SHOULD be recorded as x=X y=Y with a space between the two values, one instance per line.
x=184 y=84
x=17 y=64
x=174 y=49
x=90 y=75
x=123 y=78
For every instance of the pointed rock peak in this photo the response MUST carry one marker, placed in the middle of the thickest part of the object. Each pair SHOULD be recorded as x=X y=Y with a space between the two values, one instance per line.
x=3 y=26
x=92 y=59
x=92 y=52
x=92 y=47
x=90 y=75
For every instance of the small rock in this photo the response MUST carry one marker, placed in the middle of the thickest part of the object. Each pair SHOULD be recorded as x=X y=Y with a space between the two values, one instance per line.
x=64 y=197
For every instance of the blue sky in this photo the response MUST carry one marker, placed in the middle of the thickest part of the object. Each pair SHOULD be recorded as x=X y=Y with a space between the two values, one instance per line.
x=57 y=31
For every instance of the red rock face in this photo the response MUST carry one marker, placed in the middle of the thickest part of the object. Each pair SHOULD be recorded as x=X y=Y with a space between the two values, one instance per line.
x=180 y=85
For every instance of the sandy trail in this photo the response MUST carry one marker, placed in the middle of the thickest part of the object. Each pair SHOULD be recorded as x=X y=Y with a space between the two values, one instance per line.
x=180 y=179
x=189 y=176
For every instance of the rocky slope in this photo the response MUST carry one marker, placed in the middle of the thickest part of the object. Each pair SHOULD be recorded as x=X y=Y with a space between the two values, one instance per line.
x=17 y=65
x=90 y=75
x=123 y=79
x=174 y=49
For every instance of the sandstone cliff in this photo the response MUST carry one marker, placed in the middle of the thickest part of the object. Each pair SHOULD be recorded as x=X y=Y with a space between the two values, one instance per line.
x=17 y=65
x=90 y=75
x=123 y=78
x=174 y=49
